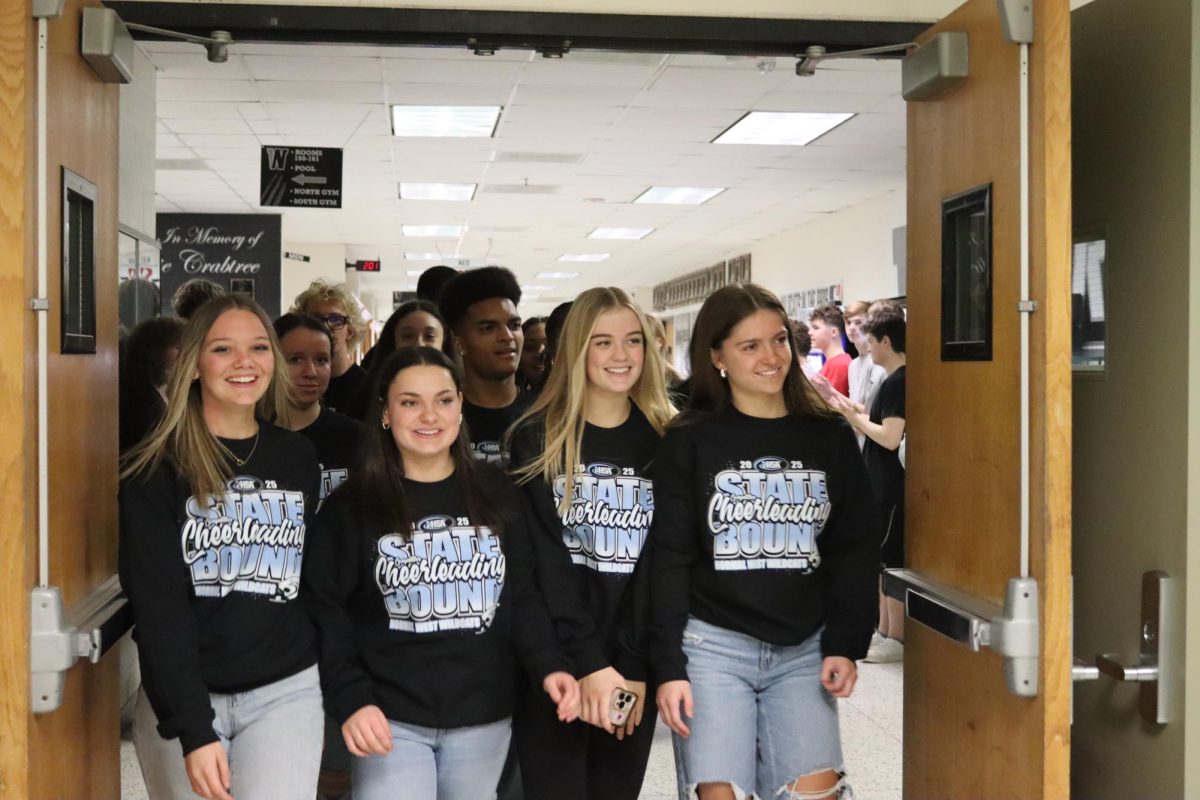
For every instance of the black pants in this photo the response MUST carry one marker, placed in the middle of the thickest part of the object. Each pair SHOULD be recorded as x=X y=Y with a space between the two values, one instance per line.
x=578 y=761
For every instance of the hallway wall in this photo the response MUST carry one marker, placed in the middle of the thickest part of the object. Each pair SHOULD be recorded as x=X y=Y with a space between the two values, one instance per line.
x=852 y=246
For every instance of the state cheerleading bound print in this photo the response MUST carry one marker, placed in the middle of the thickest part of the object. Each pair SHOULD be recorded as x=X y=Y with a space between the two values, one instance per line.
x=605 y=526
x=447 y=575
x=248 y=541
x=767 y=514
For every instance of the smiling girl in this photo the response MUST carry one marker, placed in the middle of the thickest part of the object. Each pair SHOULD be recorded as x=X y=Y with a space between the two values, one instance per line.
x=214 y=510
x=422 y=587
x=764 y=568
x=583 y=450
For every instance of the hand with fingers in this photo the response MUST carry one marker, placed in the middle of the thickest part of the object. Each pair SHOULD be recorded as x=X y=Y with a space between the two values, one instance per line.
x=596 y=690
x=367 y=733
x=675 y=703
x=838 y=675
x=635 y=716
x=208 y=770
x=563 y=690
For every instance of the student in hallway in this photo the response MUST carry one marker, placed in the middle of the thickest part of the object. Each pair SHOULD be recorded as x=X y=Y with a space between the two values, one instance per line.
x=533 y=364
x=764 y=564
x=480 y=309
x=884 y=431
x=865 y=375
x=583 y=452
x=334 y=305
x=215 y=505
x=307 y=346
x=422 y=586
x=825 y=327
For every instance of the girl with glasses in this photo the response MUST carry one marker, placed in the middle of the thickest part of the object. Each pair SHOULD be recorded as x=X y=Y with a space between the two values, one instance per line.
x=215 y=505
x=334 y=305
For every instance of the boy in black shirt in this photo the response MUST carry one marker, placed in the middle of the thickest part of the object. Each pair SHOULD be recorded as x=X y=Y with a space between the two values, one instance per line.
x=480 y=308
x=884 y=430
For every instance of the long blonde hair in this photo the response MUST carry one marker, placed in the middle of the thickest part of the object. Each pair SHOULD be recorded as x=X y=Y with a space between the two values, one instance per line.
x=561 y=403
x=181 y=436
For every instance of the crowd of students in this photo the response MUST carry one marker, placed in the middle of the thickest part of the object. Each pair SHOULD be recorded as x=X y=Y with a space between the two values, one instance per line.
x=403 y=578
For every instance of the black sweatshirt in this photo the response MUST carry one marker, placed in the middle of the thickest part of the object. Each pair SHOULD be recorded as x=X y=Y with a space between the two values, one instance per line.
x=440 y=652
x=587 y=555
x=486 y=428
x=349 y=392
x=337 y=439
x=214 y=593
x=766 y=527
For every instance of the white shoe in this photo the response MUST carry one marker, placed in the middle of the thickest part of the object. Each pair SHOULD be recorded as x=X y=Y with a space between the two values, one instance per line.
x=884 y=650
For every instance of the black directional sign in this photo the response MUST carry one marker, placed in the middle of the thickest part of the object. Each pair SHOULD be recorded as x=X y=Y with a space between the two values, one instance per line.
x=302 y=177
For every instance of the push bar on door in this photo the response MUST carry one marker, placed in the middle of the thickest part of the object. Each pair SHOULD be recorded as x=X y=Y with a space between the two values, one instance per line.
x=975 y=623
x=58 y=638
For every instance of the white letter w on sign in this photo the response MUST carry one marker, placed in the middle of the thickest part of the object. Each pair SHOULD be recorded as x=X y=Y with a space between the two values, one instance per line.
x=277 y=158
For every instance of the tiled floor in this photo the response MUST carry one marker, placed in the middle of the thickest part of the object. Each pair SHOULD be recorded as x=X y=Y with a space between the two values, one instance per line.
x=872 y=721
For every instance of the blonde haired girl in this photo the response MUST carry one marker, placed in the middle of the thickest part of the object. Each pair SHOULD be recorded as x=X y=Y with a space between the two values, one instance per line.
x=214 y=508
x=583 y=450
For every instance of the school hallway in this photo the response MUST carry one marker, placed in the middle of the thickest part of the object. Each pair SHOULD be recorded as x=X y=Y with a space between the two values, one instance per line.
x=872 y=724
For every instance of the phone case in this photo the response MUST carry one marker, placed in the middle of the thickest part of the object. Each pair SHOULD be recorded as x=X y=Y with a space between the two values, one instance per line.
x=621 y=706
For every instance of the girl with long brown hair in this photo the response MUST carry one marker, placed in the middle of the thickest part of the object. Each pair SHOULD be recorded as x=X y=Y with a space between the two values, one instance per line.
x=764 y=565
x=422 y=587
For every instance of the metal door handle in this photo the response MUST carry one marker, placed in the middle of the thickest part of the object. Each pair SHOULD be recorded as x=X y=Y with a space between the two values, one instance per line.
x=1157 y=658
x=1142 y=673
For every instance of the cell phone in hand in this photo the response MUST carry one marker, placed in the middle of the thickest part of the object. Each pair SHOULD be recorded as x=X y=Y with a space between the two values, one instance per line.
x=621 y=705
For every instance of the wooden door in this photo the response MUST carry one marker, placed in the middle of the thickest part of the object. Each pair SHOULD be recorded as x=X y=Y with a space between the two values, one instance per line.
x=965 y=735
x=72 y=752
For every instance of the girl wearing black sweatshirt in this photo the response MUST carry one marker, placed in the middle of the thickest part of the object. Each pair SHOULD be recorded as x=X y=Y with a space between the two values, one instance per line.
x=765 y=560
x=214 y=508
x=422 y=587
x=602 y=412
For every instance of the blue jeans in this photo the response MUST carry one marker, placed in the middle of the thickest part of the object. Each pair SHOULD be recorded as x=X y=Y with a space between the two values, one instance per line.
x=435 y=764
x=271 y=734
x=762 y=717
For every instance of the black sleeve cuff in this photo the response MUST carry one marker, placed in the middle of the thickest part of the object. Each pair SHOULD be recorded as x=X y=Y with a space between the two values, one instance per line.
x=196 y=737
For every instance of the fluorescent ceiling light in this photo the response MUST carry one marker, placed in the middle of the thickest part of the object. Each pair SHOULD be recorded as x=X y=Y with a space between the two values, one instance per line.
x=446 y=231
x=414 y=273
x=525 y=288
x=422 y=257
x=444 y=120
x=590 y=257
x=529 y=297
x=557 y=276
x=437 y=191
x=620 y=233
x=678 y=195
x=780 y=127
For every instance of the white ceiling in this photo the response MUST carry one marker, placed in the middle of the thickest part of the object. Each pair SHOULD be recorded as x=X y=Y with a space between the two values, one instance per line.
x=594 y=130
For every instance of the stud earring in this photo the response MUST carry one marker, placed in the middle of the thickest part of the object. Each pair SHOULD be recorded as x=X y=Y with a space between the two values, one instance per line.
x=723 y=372
x=386 y=425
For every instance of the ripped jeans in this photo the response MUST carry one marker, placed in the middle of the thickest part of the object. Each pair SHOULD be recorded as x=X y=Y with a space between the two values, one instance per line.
x=762 y=717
